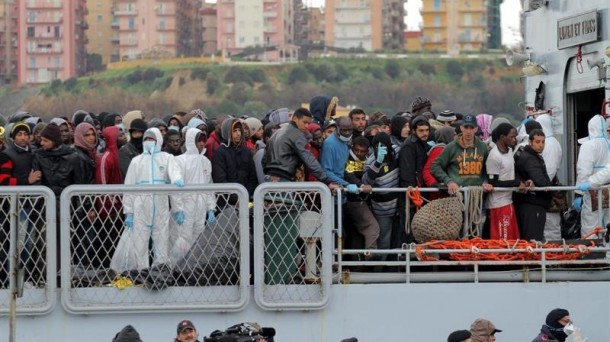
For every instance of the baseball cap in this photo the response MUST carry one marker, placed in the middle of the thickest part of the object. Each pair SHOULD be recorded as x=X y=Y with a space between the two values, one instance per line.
x=469 y=120
x=459 y=336
x=185 y=324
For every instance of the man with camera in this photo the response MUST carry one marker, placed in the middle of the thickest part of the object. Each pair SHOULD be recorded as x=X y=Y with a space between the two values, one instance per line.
x=186 y=332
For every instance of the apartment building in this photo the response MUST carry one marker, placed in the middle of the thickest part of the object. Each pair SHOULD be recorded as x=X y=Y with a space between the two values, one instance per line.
x=413 y=41
x=103 y=30
x=51 y=40
x=369 y=25
x=8 y=43
x=210 y=31
x=158 y=28
x=264 y=24
x=454 y=26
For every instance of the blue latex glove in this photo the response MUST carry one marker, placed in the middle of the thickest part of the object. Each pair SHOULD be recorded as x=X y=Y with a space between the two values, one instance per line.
x=129 y=220
x=211 y=217
x=179 y=217
x=584 y=186
x=179 y=183
x=577 y=204
x=382 y=151
x=352 y=188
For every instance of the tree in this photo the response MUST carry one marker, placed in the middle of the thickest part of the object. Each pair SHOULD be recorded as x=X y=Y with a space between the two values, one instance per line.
x=298 y=74
x=392 y=68
x=95 y=63
x=239 y=93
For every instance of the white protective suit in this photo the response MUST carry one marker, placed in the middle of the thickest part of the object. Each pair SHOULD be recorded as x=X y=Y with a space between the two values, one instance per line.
x=552 y=156
x=151 y=212
x=196 y=169
x=593 y=156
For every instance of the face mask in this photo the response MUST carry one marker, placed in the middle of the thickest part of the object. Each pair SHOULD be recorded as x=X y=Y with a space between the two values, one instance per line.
x=149 y=146
x=345 y=139
x=121 y=127
x=568 y=329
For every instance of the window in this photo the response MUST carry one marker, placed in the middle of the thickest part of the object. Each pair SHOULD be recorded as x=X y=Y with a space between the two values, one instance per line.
x=30 y=32
x=162 y=24
x=100 y=18
x=437 y=5
x=437 y=20
x=32 y=62
x=57 y=62
x=56 y=29
x=132 y=23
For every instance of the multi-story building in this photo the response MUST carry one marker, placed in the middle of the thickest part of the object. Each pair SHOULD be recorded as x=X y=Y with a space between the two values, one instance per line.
x=51 y=40
x=370 y=25
x=103 y=33
x=267 y=25
x=453 y=25
x=210 y=32
x=413 y=41
x=159 y=28
x=494 y=28
x=8 y=42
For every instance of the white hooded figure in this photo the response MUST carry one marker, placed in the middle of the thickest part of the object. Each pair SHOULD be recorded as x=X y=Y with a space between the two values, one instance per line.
x=148 y=214
x=196 y=169
x=552 y=155
x=593 y=156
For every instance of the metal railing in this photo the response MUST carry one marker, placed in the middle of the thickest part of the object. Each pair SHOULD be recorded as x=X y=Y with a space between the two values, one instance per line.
x=292 y=245
x=27 y=250
x=106 y=267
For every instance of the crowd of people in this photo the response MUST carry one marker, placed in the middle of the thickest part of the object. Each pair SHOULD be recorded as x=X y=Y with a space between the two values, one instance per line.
x=362 y=153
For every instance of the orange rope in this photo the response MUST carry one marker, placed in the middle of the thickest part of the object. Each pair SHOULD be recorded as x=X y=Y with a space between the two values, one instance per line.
x=476 y=245
x=415 y=197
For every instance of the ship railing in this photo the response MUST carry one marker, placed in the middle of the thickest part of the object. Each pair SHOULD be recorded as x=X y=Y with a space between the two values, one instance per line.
x=27 y=250
x=108 y=267
x=407 y=262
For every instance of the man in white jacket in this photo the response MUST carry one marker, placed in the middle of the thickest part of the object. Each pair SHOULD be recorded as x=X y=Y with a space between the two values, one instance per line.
x=552 y=155
x=593 y=156
x=148 y=214
x=196 y=169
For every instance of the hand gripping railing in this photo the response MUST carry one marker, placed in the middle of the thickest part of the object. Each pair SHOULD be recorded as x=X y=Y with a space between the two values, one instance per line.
x=158 y=264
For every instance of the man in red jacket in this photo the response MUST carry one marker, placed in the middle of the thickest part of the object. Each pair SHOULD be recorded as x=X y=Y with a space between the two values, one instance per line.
x=109 y=219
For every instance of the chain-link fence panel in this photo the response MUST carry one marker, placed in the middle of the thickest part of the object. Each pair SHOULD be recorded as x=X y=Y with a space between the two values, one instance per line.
x=27 y=249
x=154 y=247
x=293 y=245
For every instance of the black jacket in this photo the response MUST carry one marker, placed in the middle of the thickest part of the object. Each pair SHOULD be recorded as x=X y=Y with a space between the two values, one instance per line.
x=88 y=165
x=286 y=151
x=22 y=162
x=126 y=154
x=530 y=165
x=411 y=160
x=60 y=168
x=546 y=336
x=233 y=164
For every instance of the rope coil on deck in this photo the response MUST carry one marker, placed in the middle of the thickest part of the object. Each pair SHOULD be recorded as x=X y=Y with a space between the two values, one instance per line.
x=440 y=219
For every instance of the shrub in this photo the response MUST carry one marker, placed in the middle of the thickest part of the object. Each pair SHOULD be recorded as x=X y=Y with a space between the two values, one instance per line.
x=392 y=69
x=181 y=81
x=298 y=74
x=238 y=74
x=258 y=75
x=151 y=74
x=70 y=83
x=212 y=84
x=199 y=74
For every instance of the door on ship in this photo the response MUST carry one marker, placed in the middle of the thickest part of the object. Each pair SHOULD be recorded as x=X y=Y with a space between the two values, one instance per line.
x=581 y=107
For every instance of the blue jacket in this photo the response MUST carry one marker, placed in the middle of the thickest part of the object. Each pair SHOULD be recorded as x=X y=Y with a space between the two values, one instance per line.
x=333 y=159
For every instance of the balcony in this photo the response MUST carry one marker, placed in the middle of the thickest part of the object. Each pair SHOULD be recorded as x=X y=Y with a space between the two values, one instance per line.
x=166 y=29
x=128 y=43
x=126 y=13
x=115 y=24
x=164 y=13
x=48 y=36
x=57 y=20
x=34 y=5
x=115 y=39
x=269 y=14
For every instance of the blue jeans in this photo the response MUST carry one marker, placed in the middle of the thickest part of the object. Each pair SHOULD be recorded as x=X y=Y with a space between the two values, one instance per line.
x=385 y=233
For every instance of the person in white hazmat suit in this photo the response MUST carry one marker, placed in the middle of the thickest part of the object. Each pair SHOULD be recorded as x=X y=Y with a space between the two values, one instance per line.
x=148 y=214
x=196 y=168
x=593 y=156
x=552 y=155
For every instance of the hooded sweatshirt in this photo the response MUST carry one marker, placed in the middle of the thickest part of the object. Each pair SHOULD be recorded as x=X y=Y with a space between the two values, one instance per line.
x=552 y=153
x=321 y=107
x=460 y=164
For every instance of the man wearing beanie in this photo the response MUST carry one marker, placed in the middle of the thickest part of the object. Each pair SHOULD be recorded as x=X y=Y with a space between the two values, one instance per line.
x=134 y=146
x=557 y=327
x=459 y=336
x=420 y=105
x=16 y=169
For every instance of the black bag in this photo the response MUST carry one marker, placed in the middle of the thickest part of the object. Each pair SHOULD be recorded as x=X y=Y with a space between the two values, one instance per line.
x=570 y=224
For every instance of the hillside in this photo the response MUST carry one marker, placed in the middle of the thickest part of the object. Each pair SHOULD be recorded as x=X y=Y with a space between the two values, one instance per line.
x=389 y=85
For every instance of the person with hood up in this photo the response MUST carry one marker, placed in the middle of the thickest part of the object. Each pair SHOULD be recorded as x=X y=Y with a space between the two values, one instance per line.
x=256 y=131
x=523 y=131
x=127 y=334
x=558 y=326
x=484 y=123
x=196 y=168
x=414 y=153
x=594 y=154
x=160 y=125
x=483 y=330
x=314 y=146
x=261 y=145
x=134 y=147
x=109 y=218
x=232 y=162
x=214 y=139
x=400 y=126
x=322 y=108
x=64 y=129
x=381 y=171
x=552 y=156
x=442 y=136
x=85 y=143
x=148 y=215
